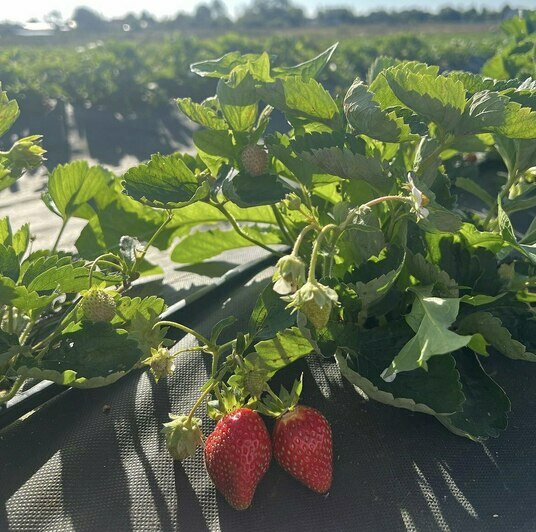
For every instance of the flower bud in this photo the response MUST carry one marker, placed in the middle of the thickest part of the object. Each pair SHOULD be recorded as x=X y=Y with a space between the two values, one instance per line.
x=289 y=274
x=183 y=436
x=293 y=202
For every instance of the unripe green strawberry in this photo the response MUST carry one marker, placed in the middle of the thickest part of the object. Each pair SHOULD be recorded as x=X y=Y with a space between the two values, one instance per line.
x=254 y=159
x=183 y=436
x=160 y=362
x=237 y=455
x=318 y=316
x=315 y=300
x=98 y=305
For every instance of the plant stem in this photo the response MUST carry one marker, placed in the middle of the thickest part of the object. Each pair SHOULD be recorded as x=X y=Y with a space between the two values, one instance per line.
x=301 y=238
x=154 y=237
x=14 y=389
x=316 y=248
x=369 y=204
x=26 y=332
x=199 y=401
x=183 y=328
x=226 y=345
x=94 y=265
x=60 y=234
x=237 y=228
x=215 y=359
x=512 y=177
x=435 y=153
x=282 y=225
x=186 y=350
x=10 y=320
x=111 y=264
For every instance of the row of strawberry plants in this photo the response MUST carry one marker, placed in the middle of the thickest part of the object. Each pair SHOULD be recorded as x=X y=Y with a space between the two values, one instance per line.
x=125 y=77
x=406 y=289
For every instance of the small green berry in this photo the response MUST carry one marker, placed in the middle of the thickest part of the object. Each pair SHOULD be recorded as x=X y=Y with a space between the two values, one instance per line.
x=255 y=160
x=315 y=300
x=98 y=305
x=183 y=436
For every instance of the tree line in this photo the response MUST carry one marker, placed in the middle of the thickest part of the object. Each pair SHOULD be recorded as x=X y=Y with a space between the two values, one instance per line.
x=259 y=14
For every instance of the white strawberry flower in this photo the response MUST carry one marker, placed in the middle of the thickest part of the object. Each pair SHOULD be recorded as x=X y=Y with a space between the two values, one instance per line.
x=289 y=274
x=418 y=199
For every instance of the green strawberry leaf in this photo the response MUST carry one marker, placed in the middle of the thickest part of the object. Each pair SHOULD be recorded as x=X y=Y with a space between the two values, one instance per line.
x=22 y=298
x=138 y=317
x=122 y=216
x=507 y=231
x=203 y=245
x=364 y=353
x=495 y=334
x=484 y=111
x=373 y=280
x=519 y=155
x=201 y=114
x=438 y=99
x=430 y=274
x=431 y=319
x=223 y=66
x=307 y=69
x=89 y=355
x=21 y=240
x=9 y=262
x=270 y=315
x=76 y=189
x=519 y=123
x=286 y=347
x=343 y=163
x=366 y=116
x=247 y=191
x=301 y=98
x=238 y=99
x=64 y=274
x=9 y=112
x=164 y=182
x=215 y=148
x=485 y=409
x=218 y=329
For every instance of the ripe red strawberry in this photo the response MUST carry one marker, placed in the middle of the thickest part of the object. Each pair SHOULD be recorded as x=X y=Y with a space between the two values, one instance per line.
x=237 y=455
x=303 y=447
x=255 y=159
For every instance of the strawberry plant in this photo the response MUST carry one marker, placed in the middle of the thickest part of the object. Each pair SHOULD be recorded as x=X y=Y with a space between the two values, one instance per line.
x=378 y=265
x=408 y=289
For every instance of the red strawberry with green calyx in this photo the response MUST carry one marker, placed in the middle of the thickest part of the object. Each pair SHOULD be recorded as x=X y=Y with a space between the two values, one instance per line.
x=303 y=447
x=237 y=455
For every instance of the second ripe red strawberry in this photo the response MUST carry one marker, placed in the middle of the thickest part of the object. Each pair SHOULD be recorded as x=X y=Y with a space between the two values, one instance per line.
x=237 y=455
x=302 y=445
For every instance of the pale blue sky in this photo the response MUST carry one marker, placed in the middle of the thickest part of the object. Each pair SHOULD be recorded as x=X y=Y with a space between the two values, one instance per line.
x=21 y=11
